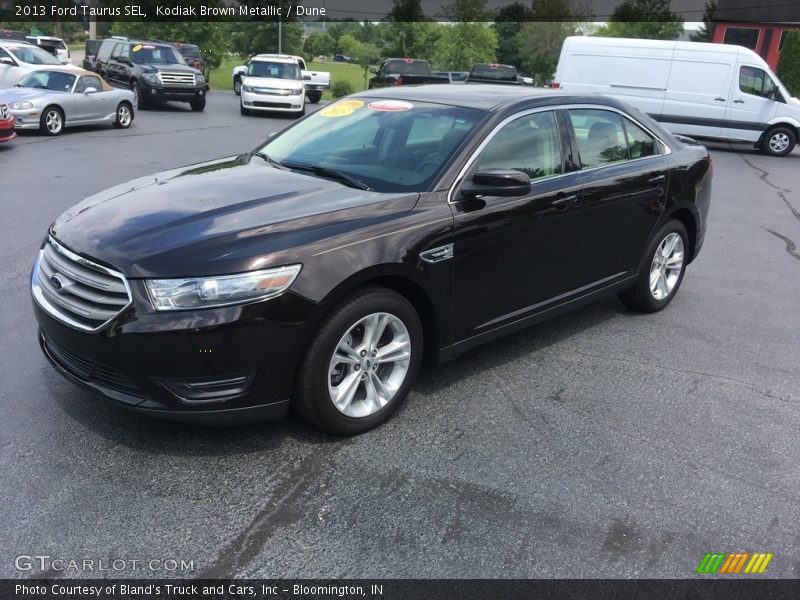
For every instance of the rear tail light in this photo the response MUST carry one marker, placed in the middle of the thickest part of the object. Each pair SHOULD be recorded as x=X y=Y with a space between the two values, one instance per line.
x=198 y=65
x=555 y=85
x=399 y=81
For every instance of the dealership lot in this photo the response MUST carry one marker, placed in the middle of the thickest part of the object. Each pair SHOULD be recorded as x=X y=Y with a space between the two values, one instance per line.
x=600 y=444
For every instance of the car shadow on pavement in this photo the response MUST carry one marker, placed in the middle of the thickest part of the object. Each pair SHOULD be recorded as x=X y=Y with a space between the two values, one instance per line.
x=156 y=436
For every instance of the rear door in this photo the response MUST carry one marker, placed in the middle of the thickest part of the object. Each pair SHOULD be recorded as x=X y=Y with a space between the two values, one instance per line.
x=514 y=256
x=624 y=177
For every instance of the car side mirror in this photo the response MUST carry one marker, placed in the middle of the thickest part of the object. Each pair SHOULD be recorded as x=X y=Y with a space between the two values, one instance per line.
x=307 y=77
x=5 y=60
x=90 y=90
x=496 y=182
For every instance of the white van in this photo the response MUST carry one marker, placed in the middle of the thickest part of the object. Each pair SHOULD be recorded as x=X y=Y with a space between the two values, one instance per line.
x=711 y=91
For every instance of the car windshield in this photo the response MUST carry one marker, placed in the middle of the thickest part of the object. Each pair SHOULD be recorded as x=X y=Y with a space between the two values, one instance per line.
x=58 y=81
x=33 y=55
x=150 y=54
x=275 y=70
x=388 y=145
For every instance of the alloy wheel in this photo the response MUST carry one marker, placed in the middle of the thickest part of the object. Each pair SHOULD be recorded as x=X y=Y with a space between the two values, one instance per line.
x=778 y=142
x=53 y=121
x=665 y=270
x=124 y=116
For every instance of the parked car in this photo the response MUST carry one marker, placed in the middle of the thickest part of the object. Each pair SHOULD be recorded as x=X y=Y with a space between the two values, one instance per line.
x=12 y=34
x=193 y=57
x=50 y=100
x=154 y=71
x=17 y=59
x=272 y=83
x=404 y=71
x=452 y=76
x=315 y=82
x=90 y=54
x=7 y=132
x=341 y=58
x=55 y=46
x=708 y=91
x=493 y=73
x=315 y=271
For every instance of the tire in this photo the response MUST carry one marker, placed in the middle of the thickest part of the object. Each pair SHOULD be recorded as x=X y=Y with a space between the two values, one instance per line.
x=348 y=326
x=237 y=86
x=300 y=113
x=141 y=100
x=667 y=270
x=243 y=110
x=198 y=105
x=779 y=141
x=52 y=121
x=314 y=97
x=124 y=116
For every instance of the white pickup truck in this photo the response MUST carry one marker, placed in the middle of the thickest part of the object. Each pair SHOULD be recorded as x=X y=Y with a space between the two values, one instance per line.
x=315 y=82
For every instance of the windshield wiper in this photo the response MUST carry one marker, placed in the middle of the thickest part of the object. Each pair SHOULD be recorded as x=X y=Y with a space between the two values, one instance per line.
x=268 y=159
x=332 y=173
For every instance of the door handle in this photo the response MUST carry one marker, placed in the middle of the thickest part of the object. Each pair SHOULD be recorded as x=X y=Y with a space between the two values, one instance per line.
x=718 y=99
x=739 y=101
x=563 y=202
x=657 y=178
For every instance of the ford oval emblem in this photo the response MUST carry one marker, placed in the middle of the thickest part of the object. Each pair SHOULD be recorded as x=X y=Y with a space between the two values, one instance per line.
x=56 y=282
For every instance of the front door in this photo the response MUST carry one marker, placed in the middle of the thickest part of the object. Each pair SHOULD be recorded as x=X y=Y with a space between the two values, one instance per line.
x=512 y=255
x=752 y=106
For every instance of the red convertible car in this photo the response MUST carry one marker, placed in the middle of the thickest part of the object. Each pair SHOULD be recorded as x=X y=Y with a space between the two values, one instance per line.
x=6 y=125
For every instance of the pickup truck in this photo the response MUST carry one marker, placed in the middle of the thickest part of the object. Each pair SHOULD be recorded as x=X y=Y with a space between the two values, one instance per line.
x=493 y=73
x=404 y=71
x=315 y=82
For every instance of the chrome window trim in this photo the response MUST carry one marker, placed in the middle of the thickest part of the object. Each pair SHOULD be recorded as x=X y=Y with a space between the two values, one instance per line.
x=459 y=178
x=54 y=311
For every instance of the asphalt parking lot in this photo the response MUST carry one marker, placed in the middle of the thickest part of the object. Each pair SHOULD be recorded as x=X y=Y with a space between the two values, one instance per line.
x=600 y=444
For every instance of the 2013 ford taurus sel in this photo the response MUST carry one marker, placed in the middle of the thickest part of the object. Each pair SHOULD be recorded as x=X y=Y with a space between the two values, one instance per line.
x=314 y=271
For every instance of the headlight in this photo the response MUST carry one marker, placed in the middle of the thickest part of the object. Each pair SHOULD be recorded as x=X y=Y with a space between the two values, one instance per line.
x=297 y=91
x=20 y=105
x=208 y=292
x=199 y=78
x=150 y=77
x=247 y=88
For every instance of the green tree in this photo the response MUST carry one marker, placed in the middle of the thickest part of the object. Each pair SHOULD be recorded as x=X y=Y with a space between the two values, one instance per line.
x=256 y=37
x=466 y=11
x=463 y=44
x=319 y=44
x=406 y=11
x=789 y=63
x=364 y=54
x=706 y=32
x=507 y=24
x=211 y=37
x=646 y=19
x=414 y=40
x=540 y=40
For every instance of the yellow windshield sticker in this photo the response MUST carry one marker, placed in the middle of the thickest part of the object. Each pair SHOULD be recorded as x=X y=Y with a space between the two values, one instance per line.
x=341 y=108
x=137 y=47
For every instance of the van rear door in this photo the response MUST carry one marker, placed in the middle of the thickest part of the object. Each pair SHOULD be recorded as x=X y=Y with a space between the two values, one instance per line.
x=752 y=106
x=698 y=93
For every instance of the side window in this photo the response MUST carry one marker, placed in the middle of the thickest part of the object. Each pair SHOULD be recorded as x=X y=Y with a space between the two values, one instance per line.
x=4 y=54
x=640 y=143
x=124 y=52
x=530 y=144
x=756 y=82
x=104 y=51
x=600 y=136
x=116 y=51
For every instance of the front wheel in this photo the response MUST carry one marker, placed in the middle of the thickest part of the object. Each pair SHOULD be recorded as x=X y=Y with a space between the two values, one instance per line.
x=138 y=93
x=361 y=363
x=237 y=86
x=779 y=141
x=124 y=116
x=198 y=105
x=52 y=121
x=661 y=270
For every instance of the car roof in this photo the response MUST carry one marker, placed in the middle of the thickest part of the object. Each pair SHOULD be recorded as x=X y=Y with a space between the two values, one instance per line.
x=72 y=70
x=7 y=42
x=484 y=96
x=276 y=58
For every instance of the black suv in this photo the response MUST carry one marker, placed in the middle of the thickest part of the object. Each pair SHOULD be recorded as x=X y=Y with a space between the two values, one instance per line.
x=154 y=71
x=90 y=54
x=192 y=55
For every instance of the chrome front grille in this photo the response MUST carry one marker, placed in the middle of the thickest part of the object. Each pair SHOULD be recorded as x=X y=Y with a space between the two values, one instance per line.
x=167 y=78
x=3 y=111
x=77 y=291
x=274 y=91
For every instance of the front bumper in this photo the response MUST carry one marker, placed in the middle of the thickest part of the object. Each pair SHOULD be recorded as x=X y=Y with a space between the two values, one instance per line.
x=173 y=93
x=7 y=132
x=226 y=365
x=270 y=102
x=26 y=119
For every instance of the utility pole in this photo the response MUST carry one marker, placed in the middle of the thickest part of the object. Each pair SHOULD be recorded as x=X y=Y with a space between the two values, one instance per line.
x=280 y=34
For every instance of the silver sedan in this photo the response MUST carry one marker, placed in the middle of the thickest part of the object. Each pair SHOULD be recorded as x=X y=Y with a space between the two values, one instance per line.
x=50 y=100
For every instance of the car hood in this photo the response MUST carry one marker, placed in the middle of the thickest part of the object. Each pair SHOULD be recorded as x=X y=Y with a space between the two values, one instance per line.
x=272 y=82
x=224 y=216
x=22 y=94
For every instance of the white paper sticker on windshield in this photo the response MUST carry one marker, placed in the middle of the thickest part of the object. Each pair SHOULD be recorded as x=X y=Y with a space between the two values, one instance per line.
x=341 y=108
x=390 y=105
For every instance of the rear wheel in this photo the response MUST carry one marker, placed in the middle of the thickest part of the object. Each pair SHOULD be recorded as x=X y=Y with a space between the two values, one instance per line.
x=779 y=141
x=661 y=270
x=124 y=116
x=198 y=105
x=361 y=363
x=52 y=121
